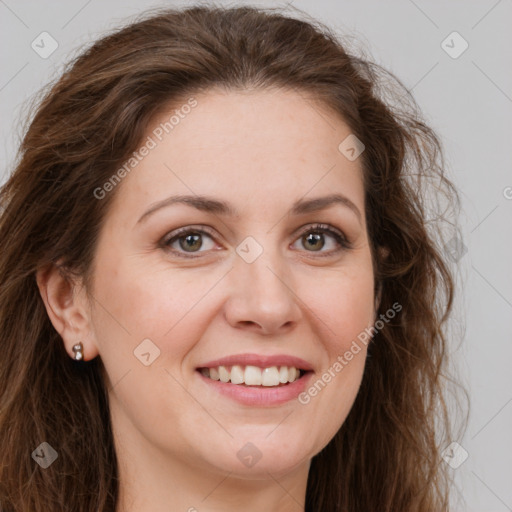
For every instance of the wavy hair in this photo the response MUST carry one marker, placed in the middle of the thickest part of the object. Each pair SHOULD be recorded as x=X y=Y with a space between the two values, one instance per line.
x=387 y=454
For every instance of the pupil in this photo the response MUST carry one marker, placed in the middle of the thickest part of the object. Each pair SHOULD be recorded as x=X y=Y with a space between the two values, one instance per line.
x=315 y=237
x=194 y=241
x=190 y=240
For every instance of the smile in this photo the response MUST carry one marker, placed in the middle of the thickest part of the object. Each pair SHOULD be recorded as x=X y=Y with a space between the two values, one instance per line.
x=253 y=375
x=255 y=379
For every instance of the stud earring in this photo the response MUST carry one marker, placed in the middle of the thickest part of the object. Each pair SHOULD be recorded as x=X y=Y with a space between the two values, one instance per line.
x=78 y=350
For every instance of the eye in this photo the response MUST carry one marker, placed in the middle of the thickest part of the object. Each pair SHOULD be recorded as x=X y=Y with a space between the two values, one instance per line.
x=313 y=237
x=187 y=241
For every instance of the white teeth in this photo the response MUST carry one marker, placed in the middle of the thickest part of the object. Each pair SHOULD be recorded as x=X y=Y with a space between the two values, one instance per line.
x=224 y=375
x=253 y=375
x=270 y=376
x=237 y=374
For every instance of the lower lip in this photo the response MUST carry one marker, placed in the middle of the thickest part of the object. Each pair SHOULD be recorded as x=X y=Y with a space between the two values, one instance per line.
x=259 y=395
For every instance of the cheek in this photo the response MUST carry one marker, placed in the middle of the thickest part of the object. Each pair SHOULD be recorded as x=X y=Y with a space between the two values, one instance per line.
x=137 y=303
x=148 y=301
x=343 y=304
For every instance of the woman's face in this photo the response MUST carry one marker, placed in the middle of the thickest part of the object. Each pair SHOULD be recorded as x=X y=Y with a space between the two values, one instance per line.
x=250 y=282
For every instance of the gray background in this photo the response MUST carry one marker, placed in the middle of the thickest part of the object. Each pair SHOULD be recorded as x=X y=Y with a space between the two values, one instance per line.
x=468 y=100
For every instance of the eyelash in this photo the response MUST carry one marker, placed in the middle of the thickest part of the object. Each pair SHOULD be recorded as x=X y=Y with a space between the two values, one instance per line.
x=343 y=242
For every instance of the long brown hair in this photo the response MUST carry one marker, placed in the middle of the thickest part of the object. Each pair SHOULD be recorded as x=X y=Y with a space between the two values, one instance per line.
x=387 y=454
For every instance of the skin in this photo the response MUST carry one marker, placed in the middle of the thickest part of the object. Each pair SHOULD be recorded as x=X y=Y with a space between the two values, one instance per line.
x=177 y=439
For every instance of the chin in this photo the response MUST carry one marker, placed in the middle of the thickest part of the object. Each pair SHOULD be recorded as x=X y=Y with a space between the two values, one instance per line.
x=257 y=455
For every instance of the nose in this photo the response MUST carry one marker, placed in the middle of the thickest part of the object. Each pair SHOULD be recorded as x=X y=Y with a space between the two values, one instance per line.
x=263 y=298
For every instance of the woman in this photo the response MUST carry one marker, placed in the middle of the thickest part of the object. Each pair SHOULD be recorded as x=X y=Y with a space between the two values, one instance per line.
x=218 y=290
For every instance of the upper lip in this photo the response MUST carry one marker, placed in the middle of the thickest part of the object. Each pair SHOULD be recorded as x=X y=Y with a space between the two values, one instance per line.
x=262 y=361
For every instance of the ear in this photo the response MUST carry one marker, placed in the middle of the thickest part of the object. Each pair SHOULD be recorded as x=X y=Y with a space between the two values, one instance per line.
x=68 y=308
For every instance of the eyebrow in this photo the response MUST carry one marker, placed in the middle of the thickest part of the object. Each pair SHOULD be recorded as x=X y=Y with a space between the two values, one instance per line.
x=211 y=205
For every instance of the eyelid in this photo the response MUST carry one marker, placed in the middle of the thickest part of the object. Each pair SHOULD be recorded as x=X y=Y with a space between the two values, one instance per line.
x=340 y=237
x=337 y=234
x=319 y=226
x=185 y=229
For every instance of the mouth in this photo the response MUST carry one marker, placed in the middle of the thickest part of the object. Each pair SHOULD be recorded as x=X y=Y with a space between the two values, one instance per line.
x=257 y=380
x=254 y=376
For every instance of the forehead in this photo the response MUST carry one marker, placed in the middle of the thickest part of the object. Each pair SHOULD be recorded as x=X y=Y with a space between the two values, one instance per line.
x=247 y=147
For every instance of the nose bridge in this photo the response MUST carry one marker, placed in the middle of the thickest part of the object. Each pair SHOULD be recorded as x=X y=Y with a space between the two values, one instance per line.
x=263 y=285
x=263 y=267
